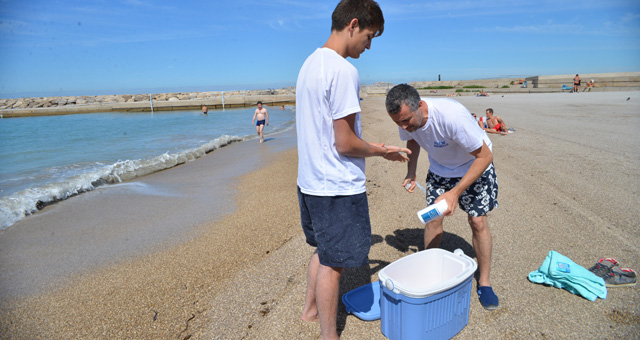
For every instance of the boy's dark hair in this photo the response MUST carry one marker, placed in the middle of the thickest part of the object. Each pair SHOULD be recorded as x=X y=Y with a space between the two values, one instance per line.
x=259 y=102
x=367 y=12
x=402 y=94
x=490 y=110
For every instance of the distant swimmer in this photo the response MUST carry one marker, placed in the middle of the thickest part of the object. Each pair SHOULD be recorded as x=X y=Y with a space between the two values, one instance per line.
x=204 y=110
x=262 y=116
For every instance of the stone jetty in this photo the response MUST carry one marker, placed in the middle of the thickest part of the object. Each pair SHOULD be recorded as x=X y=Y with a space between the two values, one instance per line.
x=43 y=106
x=24 y=107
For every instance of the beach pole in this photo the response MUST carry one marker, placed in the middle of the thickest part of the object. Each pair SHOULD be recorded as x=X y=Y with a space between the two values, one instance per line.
x=223 y=100
x=151 y=102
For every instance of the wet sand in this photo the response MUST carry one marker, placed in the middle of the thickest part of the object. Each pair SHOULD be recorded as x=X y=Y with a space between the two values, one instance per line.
x=568 y=182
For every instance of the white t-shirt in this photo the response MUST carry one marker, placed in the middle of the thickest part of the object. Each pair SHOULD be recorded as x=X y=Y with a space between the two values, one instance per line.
x=449 y=136
x=327 y=89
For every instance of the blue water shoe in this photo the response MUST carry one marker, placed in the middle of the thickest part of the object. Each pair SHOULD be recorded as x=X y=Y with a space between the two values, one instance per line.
x=488 y=298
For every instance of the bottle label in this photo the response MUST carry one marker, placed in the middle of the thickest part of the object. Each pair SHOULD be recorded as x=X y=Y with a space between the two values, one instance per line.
x=432 y=212
x=430 y=215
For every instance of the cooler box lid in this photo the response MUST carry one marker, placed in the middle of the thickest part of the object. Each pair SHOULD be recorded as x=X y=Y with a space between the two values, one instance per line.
x=364 y=301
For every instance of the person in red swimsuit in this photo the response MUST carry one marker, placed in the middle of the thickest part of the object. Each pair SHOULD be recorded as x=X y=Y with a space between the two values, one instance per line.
x=495 y=124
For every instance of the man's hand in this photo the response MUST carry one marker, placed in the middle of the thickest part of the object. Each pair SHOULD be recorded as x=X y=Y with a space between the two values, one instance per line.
x=409 y=183
x=452 y=202
x=395 y=153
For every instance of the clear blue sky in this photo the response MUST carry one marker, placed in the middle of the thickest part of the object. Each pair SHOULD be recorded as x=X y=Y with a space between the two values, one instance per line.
x=89 y=47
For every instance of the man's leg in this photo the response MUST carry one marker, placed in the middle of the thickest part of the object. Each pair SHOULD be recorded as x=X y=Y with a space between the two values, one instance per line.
x=310 y=312
x=433 y=233
x=503 y=126
x=327 y=286
x=482 y=244
x=260 y=128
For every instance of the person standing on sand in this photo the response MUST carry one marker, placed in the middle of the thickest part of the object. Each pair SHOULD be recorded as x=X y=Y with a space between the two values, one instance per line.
x=460 y=169
x=576 y=84
x=262 y=116
x=334 y=212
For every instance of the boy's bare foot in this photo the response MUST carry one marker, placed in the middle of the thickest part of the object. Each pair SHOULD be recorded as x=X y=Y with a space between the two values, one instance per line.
x=310 y=317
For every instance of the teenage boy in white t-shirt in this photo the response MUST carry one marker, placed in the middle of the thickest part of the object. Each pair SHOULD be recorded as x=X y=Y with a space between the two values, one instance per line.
x=460 y=169
x=334 y=212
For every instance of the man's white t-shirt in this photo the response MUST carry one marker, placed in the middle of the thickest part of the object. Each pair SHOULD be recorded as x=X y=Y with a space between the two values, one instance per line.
x=327 y=89
x=449 y=136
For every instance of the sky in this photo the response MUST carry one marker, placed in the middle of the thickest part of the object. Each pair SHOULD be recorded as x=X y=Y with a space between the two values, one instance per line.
x=93 y=47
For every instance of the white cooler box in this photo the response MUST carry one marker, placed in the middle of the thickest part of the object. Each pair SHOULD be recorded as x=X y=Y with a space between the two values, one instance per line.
x=426 y=295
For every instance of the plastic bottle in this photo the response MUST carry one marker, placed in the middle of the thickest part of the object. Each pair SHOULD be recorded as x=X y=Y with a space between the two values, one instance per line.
x=432 y=212
x=408 y=185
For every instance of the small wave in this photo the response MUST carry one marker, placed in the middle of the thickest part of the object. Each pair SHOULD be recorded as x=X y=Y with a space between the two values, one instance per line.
x=16 y=206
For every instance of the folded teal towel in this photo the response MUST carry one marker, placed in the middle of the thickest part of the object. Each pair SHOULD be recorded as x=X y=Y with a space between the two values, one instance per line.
x=559 y=271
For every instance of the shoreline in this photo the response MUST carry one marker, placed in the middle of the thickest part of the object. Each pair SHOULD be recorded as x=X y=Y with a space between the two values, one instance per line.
x=244 y=276
x=160 y=294
x=93 y=229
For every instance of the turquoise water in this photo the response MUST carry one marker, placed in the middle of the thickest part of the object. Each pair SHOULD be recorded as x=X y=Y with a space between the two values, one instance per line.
x=47 y=159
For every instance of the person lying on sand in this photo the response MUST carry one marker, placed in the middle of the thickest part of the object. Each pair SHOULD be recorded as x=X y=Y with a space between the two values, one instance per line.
x=495 y=124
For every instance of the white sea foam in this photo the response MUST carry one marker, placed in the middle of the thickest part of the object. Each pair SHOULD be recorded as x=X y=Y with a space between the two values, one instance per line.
x=16 y=206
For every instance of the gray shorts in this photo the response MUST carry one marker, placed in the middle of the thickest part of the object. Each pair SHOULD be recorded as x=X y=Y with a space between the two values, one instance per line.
x=338 y=226
x=479 y=198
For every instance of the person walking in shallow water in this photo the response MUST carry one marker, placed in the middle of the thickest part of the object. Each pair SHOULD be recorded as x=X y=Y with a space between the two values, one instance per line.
x=262 y=116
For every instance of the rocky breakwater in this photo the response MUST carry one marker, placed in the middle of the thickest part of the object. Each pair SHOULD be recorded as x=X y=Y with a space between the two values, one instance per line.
x=41 y=106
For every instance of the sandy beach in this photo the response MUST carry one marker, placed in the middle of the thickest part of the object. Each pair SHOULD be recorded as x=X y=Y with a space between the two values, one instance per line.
x=568 y=180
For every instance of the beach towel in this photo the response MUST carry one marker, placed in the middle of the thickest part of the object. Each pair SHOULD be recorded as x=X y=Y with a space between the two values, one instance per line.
x=559 y=271
x=483 y=120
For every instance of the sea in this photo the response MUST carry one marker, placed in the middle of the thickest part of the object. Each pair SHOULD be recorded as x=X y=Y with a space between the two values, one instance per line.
x=51 y=158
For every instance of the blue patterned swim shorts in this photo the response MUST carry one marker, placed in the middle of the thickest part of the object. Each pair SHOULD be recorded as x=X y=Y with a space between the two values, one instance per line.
x=338 y=226
x=479 y=198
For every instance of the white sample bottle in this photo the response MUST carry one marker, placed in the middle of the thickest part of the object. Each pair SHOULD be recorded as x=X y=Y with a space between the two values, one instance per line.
x=432 y=212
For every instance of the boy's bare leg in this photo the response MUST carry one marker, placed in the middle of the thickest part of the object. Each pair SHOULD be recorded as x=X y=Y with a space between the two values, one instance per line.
x=327 y=288
x=321 y=301
x=310 y=312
